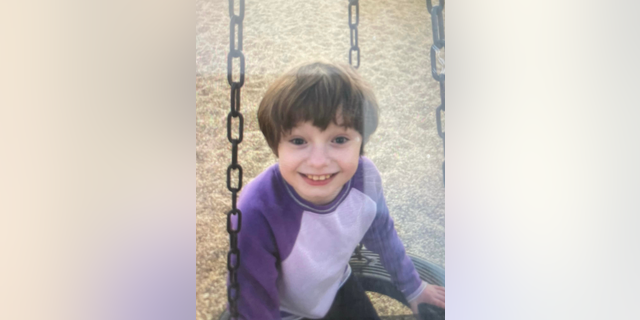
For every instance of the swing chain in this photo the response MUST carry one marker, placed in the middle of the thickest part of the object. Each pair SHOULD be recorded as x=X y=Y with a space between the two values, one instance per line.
x=430 y=5
x=233 y=256
x=437 y=29
x=353 y=29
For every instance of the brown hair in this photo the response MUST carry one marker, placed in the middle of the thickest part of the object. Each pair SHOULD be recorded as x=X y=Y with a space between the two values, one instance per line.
x=318 y=92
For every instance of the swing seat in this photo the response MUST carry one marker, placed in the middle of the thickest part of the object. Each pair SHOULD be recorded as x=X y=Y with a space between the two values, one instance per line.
x=374 y=278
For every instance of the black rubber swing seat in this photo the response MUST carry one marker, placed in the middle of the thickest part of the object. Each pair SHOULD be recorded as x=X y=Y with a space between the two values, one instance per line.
x=374 y=278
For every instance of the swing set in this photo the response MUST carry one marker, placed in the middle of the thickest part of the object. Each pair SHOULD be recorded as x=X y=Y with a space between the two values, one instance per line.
x=365 y=264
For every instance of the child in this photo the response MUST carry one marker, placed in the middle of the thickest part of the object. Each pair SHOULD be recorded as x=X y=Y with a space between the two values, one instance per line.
x=303 y=217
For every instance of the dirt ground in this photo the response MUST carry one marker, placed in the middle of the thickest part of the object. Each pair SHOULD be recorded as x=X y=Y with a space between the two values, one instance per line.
x=394 y=37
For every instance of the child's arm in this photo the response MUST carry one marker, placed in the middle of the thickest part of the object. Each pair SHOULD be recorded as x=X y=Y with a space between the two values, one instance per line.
x=382 y=239
x=257 y=274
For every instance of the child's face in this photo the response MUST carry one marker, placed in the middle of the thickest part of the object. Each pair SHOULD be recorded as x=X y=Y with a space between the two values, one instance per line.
x=318 y=163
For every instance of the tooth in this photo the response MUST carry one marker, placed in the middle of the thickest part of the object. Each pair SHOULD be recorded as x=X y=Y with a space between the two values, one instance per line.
x=310 y=177
x=315 y=178
x=328 y=176
x=321 y=178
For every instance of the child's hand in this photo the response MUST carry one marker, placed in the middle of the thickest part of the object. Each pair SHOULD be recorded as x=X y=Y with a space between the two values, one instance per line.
x=432 y=295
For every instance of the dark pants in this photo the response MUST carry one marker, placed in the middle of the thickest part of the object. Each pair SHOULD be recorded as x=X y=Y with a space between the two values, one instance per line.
x=351 y=303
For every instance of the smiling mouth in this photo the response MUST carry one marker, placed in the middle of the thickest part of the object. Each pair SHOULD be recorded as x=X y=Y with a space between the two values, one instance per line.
x=322 y=177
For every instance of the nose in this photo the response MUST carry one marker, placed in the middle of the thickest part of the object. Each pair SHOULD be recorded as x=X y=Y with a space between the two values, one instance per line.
x=319 y=156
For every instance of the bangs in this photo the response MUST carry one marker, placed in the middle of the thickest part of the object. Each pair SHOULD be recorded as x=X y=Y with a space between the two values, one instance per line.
x=320 y=98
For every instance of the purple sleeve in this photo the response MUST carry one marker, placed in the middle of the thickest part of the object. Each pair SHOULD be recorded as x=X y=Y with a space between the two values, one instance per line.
x=258 y=260
x=382 y=239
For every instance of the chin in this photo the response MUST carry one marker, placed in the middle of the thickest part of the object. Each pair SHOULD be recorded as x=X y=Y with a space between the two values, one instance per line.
x=319 y=200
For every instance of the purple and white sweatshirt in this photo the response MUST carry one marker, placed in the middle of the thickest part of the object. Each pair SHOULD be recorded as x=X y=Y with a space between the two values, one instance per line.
x=294 y=255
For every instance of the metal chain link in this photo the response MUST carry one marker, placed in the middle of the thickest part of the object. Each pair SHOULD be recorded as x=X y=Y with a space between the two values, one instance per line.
x=353 y=27
x=437 y=29
x=233 y=256
x=353 y=35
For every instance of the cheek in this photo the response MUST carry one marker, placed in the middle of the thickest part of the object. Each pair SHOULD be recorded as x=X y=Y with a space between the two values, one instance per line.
x=350 y=161
x=353 y=165
x=285 y=163
x=287 y=169
x=288 y=160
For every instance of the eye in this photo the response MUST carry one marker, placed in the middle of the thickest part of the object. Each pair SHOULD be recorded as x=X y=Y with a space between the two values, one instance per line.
x=297 y=141
x=341 y=140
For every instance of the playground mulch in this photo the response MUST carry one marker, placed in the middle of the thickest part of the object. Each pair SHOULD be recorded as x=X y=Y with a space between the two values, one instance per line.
x=394 y=37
